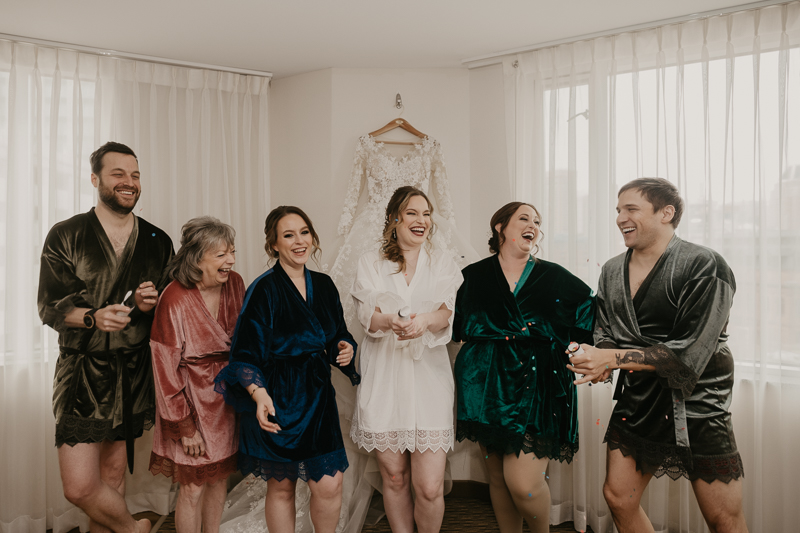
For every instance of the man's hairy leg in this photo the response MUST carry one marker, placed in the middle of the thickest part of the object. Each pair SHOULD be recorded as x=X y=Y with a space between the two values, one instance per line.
x=721 y=505
x=81 y=475
x=623 y=491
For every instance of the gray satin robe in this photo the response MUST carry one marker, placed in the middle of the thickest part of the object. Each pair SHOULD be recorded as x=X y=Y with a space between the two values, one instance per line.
x=99 y=376
x=674 y=420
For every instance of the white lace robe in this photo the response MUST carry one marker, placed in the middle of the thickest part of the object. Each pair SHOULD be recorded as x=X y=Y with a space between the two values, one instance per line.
x=405 y=399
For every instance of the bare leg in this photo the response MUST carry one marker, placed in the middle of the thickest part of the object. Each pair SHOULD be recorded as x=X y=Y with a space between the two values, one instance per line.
x=525 y=479
x=623 y=492
x=279 y=506
x=189 y=508
x=213 y=503
x=508 y=518
x=721 y=505
x=326 y=502
x=396 y=474
x=427 y=476
x=84 y=486
x=113 y=460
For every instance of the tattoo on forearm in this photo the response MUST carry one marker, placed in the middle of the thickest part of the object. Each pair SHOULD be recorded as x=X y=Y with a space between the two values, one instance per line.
x=651 y=356
x=629 y=357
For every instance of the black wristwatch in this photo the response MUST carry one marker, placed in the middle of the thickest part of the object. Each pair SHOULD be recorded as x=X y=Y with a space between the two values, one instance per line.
x=88 y=319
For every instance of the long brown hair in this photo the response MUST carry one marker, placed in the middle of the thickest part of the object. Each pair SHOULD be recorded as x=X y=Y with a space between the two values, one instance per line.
x=390 y=249
x=503 y=216
x=271 y=230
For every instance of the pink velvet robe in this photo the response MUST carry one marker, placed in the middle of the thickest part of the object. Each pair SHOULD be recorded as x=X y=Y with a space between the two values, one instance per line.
x=189 y=348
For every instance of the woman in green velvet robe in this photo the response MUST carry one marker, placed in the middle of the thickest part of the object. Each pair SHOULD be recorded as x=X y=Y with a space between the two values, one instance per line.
x=516 y=315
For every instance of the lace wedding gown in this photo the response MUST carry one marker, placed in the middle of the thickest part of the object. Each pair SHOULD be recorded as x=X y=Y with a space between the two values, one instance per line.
x=361 y=226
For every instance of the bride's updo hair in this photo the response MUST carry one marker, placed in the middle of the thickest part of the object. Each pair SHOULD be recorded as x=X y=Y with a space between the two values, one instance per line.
x=390 y=249
x=503 y=217
x=271 y=230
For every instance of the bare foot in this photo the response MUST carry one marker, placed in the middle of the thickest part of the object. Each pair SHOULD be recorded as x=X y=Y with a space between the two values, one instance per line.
x=143 y=526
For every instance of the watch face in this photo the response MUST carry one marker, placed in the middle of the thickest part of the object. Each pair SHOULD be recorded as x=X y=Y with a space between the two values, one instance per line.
x=88 y=320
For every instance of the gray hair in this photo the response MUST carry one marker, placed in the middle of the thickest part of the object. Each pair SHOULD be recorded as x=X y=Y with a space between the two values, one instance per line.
x=198 y=236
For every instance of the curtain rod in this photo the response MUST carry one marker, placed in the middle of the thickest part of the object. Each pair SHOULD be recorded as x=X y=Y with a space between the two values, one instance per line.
x=497 y=57
x=137 y=57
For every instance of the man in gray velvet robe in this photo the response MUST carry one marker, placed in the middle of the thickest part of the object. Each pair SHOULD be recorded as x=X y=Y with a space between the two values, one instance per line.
x=101 y=273
x=662 y=313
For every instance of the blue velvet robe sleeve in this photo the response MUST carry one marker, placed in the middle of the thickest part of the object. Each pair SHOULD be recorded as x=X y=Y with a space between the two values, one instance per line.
x=250 y=349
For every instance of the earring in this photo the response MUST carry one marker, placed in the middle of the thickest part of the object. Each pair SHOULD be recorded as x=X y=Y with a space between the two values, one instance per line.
x=394 y=234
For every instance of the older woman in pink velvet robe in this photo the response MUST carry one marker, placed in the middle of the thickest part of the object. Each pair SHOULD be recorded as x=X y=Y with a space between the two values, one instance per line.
x=195 y=440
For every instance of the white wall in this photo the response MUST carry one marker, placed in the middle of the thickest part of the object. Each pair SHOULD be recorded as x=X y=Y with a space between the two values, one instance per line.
x=318 y=117
x=489 y=185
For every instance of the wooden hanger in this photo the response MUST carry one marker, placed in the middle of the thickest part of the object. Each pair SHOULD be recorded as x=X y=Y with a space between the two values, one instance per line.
x=399 y=123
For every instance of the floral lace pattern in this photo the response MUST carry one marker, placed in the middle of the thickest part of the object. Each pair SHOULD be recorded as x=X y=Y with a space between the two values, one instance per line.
x=181 y=428
x=236 y=373
x=671 y=369
x=400 y=440
x=72 y=429
x=659 y=459
x=501 y=441
x=314 y=468
x=422 y=167
x=196 y=474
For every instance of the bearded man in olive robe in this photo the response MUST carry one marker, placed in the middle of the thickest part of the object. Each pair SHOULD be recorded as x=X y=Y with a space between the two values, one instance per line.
x=101 y=273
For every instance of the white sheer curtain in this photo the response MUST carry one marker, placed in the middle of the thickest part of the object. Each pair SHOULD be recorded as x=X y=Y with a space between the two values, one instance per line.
x=714 y=106
x=202 y=141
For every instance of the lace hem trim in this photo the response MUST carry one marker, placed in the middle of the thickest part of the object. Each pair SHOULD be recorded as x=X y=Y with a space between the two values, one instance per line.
x=197 y=475
x=500 y=441
x=675 y=461
x=181 y=428
x=232 y=381
x=401 y=440
x=315 y=468
x=671 y=370
x=73 y=429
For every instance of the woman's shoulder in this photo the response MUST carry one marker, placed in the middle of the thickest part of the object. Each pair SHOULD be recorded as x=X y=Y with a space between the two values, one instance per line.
x=561 y=274
x=174 y=292
x=479 y=267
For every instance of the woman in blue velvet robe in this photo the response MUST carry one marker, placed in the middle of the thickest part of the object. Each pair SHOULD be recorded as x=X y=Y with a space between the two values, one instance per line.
x=516 y=397
x=291 y=330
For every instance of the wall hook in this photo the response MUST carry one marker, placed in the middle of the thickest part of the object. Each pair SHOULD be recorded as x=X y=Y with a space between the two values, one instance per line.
x=398 y=102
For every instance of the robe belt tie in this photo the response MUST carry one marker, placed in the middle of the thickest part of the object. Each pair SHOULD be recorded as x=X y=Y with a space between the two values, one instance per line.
x=205 y=360
x=119 y=355
x=678 y=410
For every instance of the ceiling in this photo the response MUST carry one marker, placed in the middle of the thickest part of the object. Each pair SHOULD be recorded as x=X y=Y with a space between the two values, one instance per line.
x=287 y=37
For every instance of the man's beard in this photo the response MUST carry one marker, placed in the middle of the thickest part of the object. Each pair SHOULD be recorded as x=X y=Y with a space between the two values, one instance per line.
x=108 y=197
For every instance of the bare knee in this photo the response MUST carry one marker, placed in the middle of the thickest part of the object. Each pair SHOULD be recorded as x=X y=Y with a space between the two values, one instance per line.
x=527 y=489
x=620 y=500
x=190 y=494
x=282 y=491
x=723 y=519
x=429 y=490
x=79 y=492
x=396 y=479
x=328 y=488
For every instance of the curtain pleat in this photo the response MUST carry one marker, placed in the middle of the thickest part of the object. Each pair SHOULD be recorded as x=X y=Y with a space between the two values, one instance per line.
x=201 y=138
x=711 y=105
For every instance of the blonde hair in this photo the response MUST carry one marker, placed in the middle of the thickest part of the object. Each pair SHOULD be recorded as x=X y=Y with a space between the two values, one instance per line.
x=198 y=236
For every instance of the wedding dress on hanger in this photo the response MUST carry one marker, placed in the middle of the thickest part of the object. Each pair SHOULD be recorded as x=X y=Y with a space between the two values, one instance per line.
x=377 y=173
